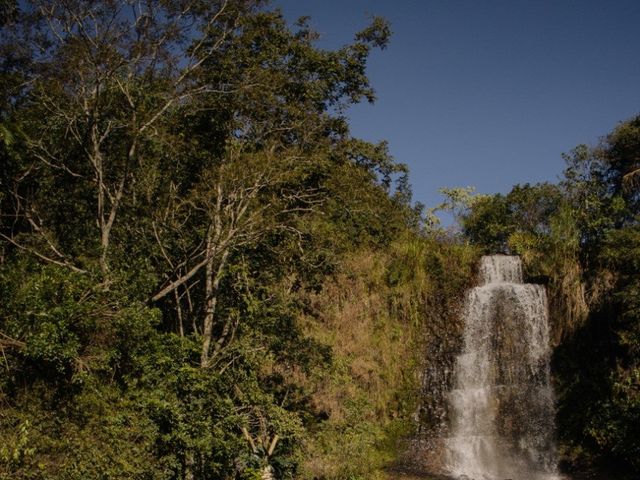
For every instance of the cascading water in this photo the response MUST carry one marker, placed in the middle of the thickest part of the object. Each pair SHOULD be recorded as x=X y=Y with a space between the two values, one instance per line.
x=502 y=404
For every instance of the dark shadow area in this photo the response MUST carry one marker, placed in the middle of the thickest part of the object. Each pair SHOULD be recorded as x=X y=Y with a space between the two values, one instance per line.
x=584 y=368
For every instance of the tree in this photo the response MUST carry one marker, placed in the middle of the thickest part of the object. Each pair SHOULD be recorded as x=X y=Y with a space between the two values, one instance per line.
x=100 y=81
x=114 y=94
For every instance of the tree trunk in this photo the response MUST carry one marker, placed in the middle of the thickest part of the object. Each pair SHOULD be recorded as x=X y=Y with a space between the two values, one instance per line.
x=267 y=473
x=211 y=291
x=188 y=468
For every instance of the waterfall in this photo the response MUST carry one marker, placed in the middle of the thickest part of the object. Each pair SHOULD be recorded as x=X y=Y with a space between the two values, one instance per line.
x=502 y=403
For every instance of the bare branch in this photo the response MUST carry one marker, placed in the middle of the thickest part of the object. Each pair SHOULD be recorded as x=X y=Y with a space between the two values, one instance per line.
x=41 y=256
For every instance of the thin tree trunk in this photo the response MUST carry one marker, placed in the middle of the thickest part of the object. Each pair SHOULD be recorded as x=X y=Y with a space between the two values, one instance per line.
x=211 y=290
x=179 y=312
x=188 y=467
x=267 y=473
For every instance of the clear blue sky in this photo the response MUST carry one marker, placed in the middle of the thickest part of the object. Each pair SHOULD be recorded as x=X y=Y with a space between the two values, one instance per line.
x=489 y=93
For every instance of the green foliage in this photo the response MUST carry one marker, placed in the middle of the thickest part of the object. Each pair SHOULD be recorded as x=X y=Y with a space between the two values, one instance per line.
x=15 y=451
x=492 y=220
x=488 y=223
x=177 y=180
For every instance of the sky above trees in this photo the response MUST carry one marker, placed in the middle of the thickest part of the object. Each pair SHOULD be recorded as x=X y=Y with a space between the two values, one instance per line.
x=489 y=93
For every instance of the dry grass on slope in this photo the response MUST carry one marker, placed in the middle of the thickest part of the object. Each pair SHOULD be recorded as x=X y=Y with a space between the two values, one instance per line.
x=378 y=314
x=368 y=393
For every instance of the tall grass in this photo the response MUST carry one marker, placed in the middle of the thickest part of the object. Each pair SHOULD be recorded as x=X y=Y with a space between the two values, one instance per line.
x=378 y=313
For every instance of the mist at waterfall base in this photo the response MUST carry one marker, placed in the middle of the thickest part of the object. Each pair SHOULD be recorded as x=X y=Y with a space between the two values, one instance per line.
x=502 y=402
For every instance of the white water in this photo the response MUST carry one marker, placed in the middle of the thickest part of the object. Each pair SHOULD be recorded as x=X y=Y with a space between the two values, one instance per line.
x=502 y=402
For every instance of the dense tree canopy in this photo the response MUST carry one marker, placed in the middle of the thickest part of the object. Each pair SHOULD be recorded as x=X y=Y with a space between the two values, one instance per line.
x=174 y=176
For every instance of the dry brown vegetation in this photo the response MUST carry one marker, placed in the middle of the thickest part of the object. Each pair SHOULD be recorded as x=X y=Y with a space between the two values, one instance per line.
x=377 y=315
